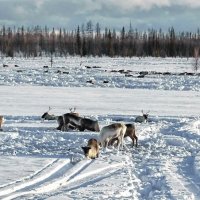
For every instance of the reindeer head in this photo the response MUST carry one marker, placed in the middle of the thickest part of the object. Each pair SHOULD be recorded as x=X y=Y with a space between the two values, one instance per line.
x=145 y=115
x=45 y=115
x=86 y=151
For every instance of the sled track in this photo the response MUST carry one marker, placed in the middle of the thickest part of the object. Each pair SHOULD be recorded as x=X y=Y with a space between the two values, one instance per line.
x=61 y=173
x=48 y=173
x=15 y=185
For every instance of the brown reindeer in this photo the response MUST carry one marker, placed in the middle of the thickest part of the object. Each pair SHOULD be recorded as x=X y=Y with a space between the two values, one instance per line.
x=61 y=121
x=107 y=133
x=130 y=132
x=1 y=122
x=92 y=149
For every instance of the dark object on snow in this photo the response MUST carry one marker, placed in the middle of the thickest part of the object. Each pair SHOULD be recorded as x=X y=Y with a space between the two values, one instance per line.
x=47 y=116
x=78 y=122
x=143 y=118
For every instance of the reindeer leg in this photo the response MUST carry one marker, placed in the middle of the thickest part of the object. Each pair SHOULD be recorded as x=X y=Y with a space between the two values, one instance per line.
x=112 y=141
x=133 y=140
x=106 y=145
x=136 y=139
x=65 y=127
x=118 y=143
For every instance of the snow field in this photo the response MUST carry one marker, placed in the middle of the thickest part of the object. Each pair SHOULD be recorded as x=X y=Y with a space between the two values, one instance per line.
x=104 y=73
x=39 y=162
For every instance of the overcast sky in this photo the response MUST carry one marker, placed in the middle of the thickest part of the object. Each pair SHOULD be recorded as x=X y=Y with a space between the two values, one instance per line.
x=143 y=14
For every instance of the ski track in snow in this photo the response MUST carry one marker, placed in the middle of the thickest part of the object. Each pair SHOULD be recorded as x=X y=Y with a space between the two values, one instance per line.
x=62 y=174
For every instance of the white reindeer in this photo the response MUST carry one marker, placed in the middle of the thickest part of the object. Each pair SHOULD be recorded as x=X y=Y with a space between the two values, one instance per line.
x=107 y=133
x=130 y=132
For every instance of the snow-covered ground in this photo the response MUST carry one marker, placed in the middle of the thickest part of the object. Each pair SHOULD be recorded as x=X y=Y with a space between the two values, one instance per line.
x=102 y=72
x=39 y=162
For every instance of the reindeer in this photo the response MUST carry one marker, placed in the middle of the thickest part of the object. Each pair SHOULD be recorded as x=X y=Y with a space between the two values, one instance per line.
x=47 y=116
x=92 y=149
x=143 y=118
x=107 y=133
x=61 y=121
x=1 y=122
x=78 y=122
x=61 y=124
x=130 y=132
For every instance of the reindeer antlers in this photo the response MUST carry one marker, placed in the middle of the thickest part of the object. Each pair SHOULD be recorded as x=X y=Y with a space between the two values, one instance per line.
x=49 y=108
x=146 y=112
x=72 y=110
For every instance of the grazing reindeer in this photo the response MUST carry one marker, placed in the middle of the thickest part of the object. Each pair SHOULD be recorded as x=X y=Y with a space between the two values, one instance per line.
x=130 y=132
x=79 y=122
x=1 y=122
x=92 y=149
x=107 y=133
x=142 y=118
x=47 y=116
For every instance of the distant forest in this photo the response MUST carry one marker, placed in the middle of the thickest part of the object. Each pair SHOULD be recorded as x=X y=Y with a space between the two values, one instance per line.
x=90 y=40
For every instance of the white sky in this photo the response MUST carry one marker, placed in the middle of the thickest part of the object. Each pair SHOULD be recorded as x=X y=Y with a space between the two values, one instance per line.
x=143 y=14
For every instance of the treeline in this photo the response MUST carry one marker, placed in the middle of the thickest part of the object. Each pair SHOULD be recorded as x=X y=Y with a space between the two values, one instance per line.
x=89 y=40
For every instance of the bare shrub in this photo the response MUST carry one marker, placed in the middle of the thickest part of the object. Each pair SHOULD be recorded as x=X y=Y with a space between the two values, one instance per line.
x=196 y=63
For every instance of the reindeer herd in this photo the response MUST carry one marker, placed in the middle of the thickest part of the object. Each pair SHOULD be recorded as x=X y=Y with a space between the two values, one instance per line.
x=110 y=135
